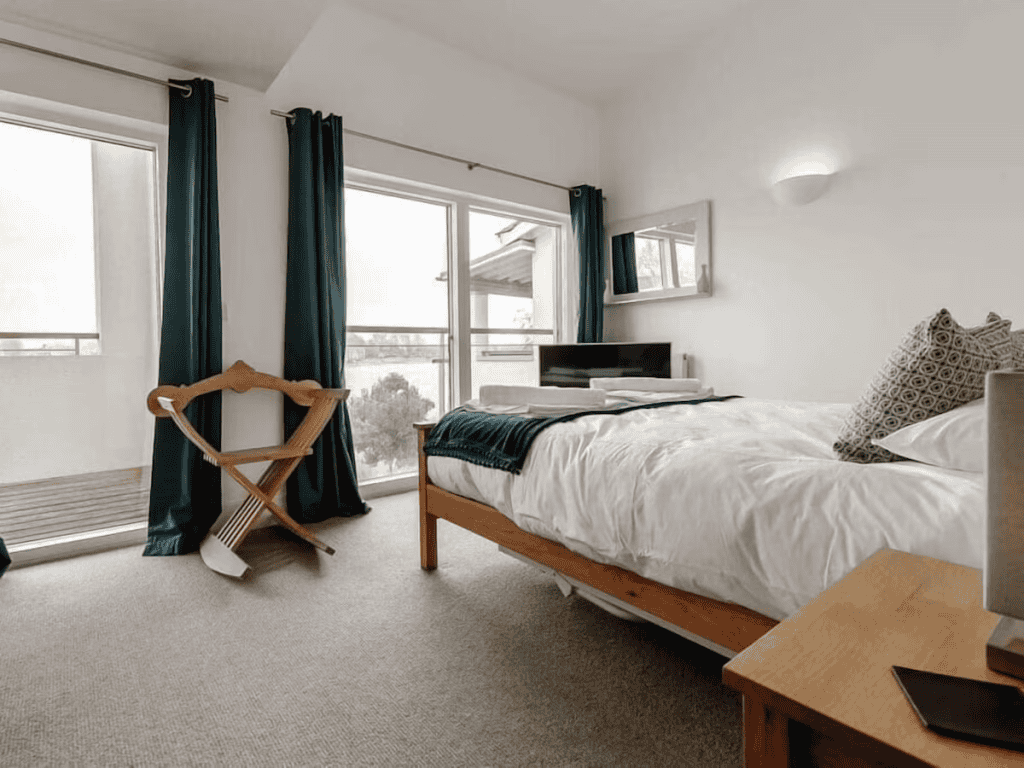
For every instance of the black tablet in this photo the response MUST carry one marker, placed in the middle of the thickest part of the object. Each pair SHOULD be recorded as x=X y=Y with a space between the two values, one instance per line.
x=974 y=710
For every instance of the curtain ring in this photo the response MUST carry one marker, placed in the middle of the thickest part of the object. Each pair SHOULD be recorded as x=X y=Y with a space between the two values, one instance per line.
x=576 y=191
x=188 y=92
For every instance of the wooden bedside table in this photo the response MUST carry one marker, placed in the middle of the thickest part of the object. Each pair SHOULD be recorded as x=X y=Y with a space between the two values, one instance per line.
x=818 y=689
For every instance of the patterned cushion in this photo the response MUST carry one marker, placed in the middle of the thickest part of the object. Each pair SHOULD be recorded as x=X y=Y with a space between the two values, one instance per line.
x=938 y=366
x=1017 y=345
x=995 y=334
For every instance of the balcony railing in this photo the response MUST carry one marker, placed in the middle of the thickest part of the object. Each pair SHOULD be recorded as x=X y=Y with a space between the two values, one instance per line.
x=14 y=344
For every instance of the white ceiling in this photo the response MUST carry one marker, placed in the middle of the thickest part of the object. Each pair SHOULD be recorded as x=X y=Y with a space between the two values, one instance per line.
x=589 y=49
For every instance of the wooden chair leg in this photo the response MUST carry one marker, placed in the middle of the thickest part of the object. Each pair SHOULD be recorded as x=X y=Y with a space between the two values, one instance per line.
x=299 y=530
x=220 y=558
x=218 y=550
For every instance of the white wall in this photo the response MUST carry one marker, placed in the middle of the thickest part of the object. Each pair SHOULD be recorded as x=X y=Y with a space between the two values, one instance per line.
x=918 y=103
x=388 y=81
x=383 y=80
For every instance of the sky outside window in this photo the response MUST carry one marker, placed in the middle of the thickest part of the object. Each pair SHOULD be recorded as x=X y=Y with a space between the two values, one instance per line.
x=395 y=248
x=47 y=253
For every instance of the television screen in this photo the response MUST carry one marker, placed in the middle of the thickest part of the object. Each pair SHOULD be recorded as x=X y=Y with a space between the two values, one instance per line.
x=574 y=365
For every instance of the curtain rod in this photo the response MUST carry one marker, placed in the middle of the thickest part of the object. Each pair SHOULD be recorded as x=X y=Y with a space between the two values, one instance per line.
x=468 y=163
x=105 y=67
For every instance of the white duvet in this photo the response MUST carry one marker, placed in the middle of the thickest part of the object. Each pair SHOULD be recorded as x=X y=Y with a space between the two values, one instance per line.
x=742 y=501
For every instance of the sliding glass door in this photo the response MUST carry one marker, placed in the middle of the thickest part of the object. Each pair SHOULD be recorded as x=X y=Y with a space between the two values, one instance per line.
x=512 y=296
x=445 y=293
x=79 y=264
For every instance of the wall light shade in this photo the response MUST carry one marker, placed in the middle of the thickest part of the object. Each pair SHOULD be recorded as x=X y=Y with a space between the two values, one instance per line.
x=801 y=189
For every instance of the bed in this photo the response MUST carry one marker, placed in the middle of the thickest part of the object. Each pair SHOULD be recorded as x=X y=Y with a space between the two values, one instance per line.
x=717 y=520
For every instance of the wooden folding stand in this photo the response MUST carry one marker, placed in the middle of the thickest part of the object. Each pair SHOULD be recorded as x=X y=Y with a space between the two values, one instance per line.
x=218 y=550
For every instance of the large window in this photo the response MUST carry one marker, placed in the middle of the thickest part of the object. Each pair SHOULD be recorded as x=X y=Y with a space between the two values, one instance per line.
x=445 y=293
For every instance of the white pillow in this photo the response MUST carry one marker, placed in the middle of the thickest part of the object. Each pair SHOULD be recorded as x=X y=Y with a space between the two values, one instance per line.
x=952 y=440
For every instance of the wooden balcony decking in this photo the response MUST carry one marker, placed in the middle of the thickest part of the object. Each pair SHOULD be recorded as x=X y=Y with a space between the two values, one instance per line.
x=78 y=505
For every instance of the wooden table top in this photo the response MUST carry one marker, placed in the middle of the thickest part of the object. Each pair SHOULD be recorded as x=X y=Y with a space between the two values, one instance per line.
x=830 y=664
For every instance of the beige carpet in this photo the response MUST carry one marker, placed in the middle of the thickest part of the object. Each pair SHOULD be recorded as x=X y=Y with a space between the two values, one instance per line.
x=359 y=659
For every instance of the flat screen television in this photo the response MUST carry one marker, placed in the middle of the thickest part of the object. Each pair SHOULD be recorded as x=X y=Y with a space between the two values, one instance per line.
x=574 y=365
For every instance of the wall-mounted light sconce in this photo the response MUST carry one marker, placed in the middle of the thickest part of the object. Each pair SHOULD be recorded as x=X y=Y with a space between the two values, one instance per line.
x=803 y=177
x=801 y=189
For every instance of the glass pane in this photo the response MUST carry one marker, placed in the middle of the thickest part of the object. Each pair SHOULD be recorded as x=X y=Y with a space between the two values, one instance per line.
x=511 y=270
x=394 y=380
x=47 y=255
x=396 y=252
x=396 y=368
x=648 y=263
x=686 y=263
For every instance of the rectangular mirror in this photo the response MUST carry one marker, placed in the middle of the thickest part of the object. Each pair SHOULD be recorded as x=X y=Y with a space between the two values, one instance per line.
x=663 y=255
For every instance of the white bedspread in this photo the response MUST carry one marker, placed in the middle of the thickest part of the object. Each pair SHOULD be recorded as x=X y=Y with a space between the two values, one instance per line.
x=742 y=501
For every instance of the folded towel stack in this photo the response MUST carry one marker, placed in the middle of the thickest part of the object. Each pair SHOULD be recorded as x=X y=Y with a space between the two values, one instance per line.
x=646 y=384
x=508 y=394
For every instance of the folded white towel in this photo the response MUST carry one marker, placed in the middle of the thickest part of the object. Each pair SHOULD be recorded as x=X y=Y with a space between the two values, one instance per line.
x=561 y=410
x=626 y=396
x=646 y=384
x=509 y=394
x=536 y=411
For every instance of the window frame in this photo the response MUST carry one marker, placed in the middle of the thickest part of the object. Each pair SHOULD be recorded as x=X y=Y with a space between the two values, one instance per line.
x=459 y=205
x=46 y=114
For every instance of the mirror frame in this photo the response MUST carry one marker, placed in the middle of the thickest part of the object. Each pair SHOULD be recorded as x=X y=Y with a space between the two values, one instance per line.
x=700 y=213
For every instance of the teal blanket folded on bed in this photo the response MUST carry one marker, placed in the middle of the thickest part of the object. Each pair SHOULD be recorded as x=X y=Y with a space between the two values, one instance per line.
x=501 y=441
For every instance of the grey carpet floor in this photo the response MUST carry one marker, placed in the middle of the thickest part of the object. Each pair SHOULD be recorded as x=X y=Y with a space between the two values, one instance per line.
x=360 y=659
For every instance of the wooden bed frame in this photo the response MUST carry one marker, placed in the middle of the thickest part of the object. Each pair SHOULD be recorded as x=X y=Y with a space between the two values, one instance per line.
x=725 y=627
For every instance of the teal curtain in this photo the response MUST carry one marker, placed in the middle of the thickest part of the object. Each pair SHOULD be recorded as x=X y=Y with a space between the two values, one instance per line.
x=5 y=559
x=586 y=207
x=184 y=496
x=624 y=264
x=324 y=485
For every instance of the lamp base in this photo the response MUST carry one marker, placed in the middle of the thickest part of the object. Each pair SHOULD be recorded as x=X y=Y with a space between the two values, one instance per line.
x=1004 y=651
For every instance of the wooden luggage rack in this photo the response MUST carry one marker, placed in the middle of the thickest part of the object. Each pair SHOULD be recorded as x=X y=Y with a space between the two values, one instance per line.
x=218 y=550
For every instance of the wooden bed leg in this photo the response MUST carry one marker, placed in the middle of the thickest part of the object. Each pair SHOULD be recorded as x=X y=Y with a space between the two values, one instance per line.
x=428 y=522
x=428 y=541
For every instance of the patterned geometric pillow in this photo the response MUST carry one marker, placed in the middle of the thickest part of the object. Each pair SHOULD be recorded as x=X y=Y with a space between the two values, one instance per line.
x=1018 y=349
x=938 y=366
x=995 y=334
